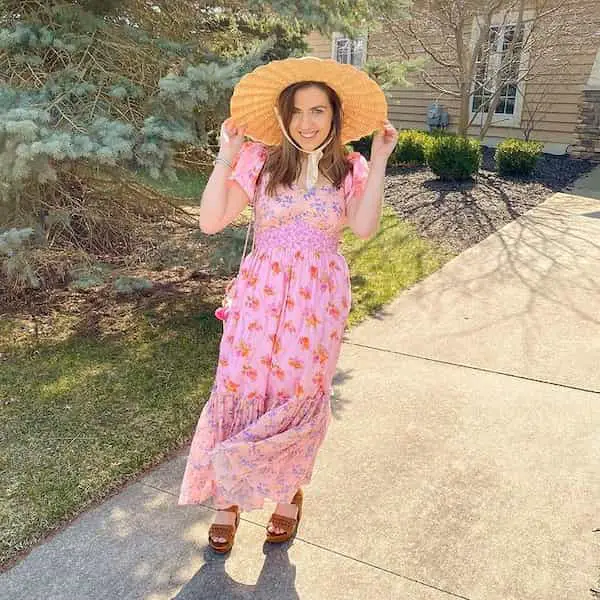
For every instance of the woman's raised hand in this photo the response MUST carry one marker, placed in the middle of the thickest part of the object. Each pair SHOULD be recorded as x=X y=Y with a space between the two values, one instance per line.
x=384 y=141
x=230 y=139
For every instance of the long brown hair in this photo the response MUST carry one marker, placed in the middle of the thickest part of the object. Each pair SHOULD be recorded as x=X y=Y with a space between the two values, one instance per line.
x=284 y=162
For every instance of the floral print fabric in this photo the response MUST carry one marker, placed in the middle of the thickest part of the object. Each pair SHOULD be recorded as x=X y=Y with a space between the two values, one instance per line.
x=269 y=409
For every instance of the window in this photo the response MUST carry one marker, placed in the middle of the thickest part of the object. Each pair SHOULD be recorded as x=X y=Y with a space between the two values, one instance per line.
x=498 y=65
x=351 y=52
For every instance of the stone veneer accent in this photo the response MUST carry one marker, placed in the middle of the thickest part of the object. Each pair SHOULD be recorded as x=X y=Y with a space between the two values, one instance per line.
x=588 y=127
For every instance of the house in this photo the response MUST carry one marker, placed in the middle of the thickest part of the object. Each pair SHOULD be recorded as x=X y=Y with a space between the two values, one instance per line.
x=550 y=92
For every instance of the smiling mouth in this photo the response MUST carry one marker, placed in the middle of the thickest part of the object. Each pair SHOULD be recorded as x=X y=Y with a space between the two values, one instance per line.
x=308 y=136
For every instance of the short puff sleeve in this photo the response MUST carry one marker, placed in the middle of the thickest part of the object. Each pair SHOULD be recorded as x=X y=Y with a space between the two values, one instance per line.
x=247 y=166
x=356 y=179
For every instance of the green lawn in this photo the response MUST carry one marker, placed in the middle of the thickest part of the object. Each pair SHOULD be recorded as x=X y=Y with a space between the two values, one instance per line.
x=82 y=414
x=388 y=263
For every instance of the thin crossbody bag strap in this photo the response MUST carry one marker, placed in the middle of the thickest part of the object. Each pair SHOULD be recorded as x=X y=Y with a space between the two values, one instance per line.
x=250 y=226
x=248 y=236
x=232 y=282
x=229 y=289
x=252 y=223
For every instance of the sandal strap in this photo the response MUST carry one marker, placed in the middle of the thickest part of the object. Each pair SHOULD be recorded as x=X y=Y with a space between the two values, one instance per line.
x=221 y=530
x=281 y=522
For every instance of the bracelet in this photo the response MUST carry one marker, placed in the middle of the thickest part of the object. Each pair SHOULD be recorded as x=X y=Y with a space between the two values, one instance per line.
x=223 y=161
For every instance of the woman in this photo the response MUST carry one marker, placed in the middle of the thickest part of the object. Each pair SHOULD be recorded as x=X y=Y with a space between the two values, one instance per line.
x=269 y=410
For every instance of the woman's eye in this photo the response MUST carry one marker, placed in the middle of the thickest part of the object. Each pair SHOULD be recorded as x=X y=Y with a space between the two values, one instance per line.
x=296 y=111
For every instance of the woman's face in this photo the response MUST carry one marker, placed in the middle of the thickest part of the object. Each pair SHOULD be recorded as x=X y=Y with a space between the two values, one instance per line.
x=312 y=116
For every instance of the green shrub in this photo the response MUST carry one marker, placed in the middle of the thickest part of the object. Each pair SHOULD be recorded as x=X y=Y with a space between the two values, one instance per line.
x=517 y=157
x=411 y=147
x=453 y=157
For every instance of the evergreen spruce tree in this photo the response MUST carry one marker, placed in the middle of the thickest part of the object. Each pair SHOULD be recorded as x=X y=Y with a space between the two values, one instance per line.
x=91 y=91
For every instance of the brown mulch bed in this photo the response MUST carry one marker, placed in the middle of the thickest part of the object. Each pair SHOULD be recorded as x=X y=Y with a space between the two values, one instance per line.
x=459 y=215
x=174 y=257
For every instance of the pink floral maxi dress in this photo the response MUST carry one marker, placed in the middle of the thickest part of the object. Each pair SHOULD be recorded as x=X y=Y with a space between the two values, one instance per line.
x=269 y=409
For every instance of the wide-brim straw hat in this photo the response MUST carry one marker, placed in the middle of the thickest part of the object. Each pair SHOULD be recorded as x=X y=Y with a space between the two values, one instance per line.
x=364 y=107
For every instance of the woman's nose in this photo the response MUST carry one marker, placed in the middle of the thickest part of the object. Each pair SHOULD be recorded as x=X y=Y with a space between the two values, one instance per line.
x=306 y=121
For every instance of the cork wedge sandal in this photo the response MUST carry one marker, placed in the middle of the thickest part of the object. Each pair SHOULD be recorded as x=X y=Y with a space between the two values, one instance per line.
x=289 y=525
x=224 y=531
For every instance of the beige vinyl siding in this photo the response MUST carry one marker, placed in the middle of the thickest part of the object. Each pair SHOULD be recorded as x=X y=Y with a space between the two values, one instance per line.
x=408 y=105
x=558 y=114
x=319 y=45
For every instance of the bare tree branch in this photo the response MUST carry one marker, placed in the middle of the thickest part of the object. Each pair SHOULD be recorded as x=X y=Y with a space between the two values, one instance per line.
x=436 y=86
x=483 y=46
x=429 y=51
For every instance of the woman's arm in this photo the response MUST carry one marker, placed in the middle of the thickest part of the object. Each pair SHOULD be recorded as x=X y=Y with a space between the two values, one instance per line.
x=365 y=213
x=221 y=202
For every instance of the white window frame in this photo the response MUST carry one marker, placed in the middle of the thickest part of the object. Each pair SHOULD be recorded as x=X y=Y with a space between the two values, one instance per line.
x=593 y=83
x=339 y=37
x=503 y=21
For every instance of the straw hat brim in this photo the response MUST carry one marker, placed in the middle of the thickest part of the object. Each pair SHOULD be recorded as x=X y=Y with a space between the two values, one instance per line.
x=364 y=105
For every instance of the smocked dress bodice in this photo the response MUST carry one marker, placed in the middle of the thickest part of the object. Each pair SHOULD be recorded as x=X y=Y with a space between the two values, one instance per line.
x=295 y=217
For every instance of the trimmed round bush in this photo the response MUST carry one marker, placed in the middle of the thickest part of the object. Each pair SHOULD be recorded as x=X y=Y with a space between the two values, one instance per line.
x=517 y=157
x=452 y=157
x=411 y=147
